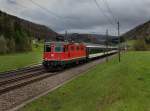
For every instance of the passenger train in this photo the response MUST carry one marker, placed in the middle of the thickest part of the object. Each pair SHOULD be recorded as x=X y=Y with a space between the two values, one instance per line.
x=63 y=54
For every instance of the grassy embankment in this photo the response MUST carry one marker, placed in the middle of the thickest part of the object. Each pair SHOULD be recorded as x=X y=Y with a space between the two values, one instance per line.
x=110 y=86
x=130 y=43
x=14 y=61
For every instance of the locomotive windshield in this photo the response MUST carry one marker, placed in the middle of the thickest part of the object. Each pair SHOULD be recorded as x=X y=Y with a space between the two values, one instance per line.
x=55 y=47
x=58 y=47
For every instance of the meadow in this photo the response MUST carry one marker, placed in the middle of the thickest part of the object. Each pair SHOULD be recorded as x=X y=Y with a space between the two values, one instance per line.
x=19 y=60
x=111 y=86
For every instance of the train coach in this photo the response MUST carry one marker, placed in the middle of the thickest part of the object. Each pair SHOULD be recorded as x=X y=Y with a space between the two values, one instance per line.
x=58 y=55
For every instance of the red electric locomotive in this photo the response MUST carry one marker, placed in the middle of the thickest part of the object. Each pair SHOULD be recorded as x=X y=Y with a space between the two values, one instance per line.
x=61 y=54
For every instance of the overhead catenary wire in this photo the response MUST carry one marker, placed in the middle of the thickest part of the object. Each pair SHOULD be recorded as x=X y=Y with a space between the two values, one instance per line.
x=61 y=18
x=44 y=9
x=49 y=11
x=118 y=23
x=101 y=9
x=57 y=16
x=110 y=10
x=25 y=7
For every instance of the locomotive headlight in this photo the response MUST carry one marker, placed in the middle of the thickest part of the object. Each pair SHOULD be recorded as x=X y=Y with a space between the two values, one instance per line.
x=52 y=55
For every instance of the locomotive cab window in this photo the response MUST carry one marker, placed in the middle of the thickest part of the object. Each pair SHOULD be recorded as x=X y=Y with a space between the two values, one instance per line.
x=47 y=48
x=65 y=48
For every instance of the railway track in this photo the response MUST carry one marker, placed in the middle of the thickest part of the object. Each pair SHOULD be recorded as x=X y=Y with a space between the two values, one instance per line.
x=19 y=78
x=20 y=71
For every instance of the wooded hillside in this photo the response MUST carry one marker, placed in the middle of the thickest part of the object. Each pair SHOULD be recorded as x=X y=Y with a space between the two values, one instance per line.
x=16 y=34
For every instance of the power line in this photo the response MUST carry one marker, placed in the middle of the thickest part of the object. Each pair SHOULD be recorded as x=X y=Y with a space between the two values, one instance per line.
x=23 y=6
x=61 y=18
x=119 y=47
x=37 y=4
x=51 y=12
x=99 y=7
x=109 y=10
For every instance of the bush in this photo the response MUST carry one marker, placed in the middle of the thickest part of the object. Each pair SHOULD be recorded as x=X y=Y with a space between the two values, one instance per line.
x=23 y=42
x=11 y=45
x=140 y=45
x=27 y=42
x=3 y=45
x=147 y=39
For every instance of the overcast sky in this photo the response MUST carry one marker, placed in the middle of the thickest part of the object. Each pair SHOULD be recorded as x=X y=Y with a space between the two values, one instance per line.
x=82 y=16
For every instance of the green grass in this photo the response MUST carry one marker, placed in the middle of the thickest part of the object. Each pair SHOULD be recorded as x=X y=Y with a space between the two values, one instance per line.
x=130 y=44
x=14 y=61
x=110 y=86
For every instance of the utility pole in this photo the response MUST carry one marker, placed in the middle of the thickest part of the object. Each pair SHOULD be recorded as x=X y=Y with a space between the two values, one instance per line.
x=125 y=47
x=119 y=54
x=106 y=45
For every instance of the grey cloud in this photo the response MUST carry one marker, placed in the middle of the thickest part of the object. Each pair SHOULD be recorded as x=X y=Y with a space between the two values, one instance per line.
x=12 y=1
x=81 y=15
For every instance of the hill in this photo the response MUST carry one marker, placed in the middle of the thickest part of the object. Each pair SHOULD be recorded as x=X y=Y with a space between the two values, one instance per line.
x=140 y=31
x=139 y=37
x=16 y=34
x=36 y=30
x=88 y=38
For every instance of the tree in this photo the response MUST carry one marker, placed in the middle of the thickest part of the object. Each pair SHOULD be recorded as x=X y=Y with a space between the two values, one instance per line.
x=3 y=45
x=11 y=45
x=27 y=42
x=147 y=39
x=140 y=45
x=23 y=42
